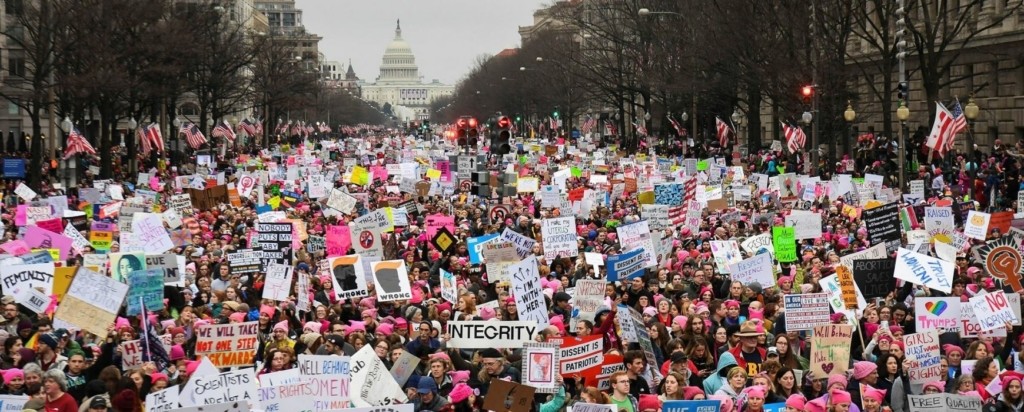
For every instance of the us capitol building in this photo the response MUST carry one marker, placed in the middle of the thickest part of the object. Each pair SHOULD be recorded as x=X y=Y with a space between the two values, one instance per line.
x=401 y=85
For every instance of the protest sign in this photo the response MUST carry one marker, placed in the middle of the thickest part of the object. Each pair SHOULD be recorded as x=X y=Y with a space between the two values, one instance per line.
x=475 y=245
x=483 y=334
x=391 y=280
x=349 y=277
x=278 y=282
x=182 y=204
x=938 y=219
x=523 y=244
x=945 y=402
x=874 y=277
x=757 y=268
x=169 y=265
x=784 y=243
x=756 y=245
x=371 y=384
x=992 y=310
x=847 y=288
x=509 y=397
x=726 y=253
x=579 y=354
x=499 y=255
x=339 y=240
x=922 y=353
x=588 y=298
x=149 y=232
x=33 y=299
x=976 y=226
x=368 y=241
x=164 y=400
x=91 y=303
x=883 y=225
x=1002 y=259
x=44 y=239
x=404 y=367
x=806 y=225
x=131 y=354
x=559 y=238
x=636 y=236
x=805 y=311
x=228 y=345
x=244 y=261
x=937 y=313
x=224 y=387
x=594 y=407
x=449 y=289
x=327 y=378
x=279 y=378
x=525 y=279
x=297 y=396
x=145 y=287
x=540 y=366
x=626 y=265
x=275 y=243
x=15 y=278
x=121 y=264
x=924 y=270
x=13 y=403
x=830 y=349
x=692 y=406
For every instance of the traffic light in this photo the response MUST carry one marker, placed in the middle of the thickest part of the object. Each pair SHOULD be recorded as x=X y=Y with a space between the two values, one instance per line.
x=466 y=131
x=460 y=135
x=902 y=91
x=519 y=118
x=806 y=93
x=501 y=138
x=555 y=114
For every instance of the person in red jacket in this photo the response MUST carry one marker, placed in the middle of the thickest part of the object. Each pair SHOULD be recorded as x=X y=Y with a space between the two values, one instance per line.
x=748 y=355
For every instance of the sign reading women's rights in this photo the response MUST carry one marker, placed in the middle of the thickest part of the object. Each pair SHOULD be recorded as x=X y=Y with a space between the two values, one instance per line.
x=830 y=349
x=922 y=353
x=924 y=270
x=228 y=345
x=559 y=238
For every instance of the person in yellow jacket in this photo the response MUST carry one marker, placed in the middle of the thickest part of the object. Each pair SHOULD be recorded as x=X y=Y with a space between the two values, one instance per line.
x=279 y=339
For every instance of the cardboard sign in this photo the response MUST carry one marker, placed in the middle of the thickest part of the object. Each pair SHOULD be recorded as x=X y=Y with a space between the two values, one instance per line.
x=874 y=276
x=846 y=286
x=278 y=284
x=348 y=275
x=937 y=313
x=91 y=303
x=924 y=270
x=922 y=351
x=508 y=396
x=328 y=377
x=483 y=334
x=371 y=381
x=830 y=349
x=992 y=310
x=559 y=238
x=228 y=345
x=805 y=311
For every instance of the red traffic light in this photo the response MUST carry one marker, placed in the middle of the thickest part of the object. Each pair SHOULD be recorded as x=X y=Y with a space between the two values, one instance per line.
x=807 y=91
x=503 y=122
x=472 y=122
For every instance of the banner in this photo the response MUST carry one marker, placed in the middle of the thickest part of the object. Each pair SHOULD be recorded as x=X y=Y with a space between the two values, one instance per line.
x=228 y=345
x=371 y=383
x=805 y=311
x=483 y=334
x=349 y=277
x=328 y=379
x=924 y=270
x=626 y=265
x=922 y=353
x=145 y=287
x=559 y=236
x=874 y=277
x=992 y=310
x=937 y=313
x=830 y=349
x=883 y=224
x=391 y=280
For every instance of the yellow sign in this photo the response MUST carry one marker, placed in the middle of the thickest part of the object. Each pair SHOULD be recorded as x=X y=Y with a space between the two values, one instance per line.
x=433 y=174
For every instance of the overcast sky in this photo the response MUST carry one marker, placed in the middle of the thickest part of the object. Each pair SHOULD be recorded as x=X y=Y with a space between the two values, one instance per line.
x=445 y=35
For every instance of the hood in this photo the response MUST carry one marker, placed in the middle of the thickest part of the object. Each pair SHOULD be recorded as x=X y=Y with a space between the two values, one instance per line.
x=725 y=362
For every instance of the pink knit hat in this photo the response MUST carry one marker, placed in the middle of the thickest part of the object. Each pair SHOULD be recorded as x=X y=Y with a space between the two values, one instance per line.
x=841 y=397
x=837 y=378
x=862 y=369
x=797 y=401
x=877 y=394
x=385 y=329
x=237 y=317
x=460 y=392
x=282 y=325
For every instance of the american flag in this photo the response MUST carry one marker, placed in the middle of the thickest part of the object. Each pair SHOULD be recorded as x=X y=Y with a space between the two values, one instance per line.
x=259 y=127
x=144 y=142
x=321 y=127
x=193 y=135
x=77 y=144
x=723 y=132
x=281 y=128
x=223 y=129
x=588 y=125
x=640 y=129
x=296 y=128
x=959 y=123
x=248 y=127
x=943 y=129
x=156 y=138
x=795 y=138
x=675 y=125
x=553 y=122
x=613 y=129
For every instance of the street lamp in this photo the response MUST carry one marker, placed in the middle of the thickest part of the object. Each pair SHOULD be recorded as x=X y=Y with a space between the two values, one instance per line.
x=902 y=113
x=849 y=115
x=66 y=125
x=132 y=124
x=971 y=113
x=807 y=117
x=646 y=12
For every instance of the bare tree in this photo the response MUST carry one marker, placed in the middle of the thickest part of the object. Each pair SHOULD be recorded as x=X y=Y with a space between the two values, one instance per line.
x=283 y=84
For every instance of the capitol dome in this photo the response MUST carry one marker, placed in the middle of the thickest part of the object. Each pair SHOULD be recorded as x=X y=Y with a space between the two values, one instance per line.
x=399 y=64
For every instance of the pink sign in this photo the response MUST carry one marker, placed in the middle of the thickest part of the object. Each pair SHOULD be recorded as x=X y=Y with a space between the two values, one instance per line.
x=339 y=240
x=16 y=247
x=42 y=238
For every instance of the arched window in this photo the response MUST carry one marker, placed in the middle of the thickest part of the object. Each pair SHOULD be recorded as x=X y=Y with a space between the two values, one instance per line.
x=188 y=109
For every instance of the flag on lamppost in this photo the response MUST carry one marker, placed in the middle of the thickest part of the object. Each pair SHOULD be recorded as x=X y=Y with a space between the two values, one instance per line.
x=193 y=135
x=223 y=129
x=723 y=132
x=795 y=137
x=77 y=144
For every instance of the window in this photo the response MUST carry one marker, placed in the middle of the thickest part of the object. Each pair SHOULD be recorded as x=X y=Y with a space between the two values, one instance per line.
x=16 y=66
x=12 y=109
x=993 y=77
x=189 y=109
